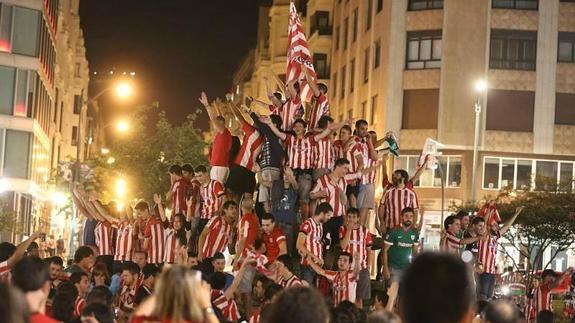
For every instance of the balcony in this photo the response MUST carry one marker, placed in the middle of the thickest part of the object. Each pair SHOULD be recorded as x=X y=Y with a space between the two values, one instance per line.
x=319 y=22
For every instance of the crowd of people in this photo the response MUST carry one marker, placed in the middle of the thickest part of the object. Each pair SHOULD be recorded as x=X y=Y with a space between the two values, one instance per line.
x=277 y=228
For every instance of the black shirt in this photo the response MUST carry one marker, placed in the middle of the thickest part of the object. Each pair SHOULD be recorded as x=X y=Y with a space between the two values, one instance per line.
x=142 y=293
x=473 y=247
x=272 y=149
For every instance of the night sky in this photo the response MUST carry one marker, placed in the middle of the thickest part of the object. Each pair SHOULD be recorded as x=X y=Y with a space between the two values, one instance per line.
x=177 y=47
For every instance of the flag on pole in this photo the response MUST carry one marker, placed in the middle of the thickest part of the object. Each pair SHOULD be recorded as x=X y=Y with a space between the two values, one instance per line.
x=298 y=55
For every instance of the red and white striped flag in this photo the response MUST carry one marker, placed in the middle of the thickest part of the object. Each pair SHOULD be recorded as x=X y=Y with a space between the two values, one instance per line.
x=298 y=55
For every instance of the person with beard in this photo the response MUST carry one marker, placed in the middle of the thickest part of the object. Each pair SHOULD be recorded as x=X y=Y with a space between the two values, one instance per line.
x=400 y=246
x=486 y=254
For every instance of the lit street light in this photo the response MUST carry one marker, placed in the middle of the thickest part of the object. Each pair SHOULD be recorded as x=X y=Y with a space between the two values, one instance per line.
x=105 y=151
x=124 y=90
x=111 y=160
x=121 y=188
x=122 y=126
x=480 y=87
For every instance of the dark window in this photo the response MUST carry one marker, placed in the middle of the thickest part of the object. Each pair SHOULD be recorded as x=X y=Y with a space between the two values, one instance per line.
x=373 y=109
x=513 y=49
x=376 y=54
x=565 y=52
x=320 y=23
x=369 y=6
x=423 y=49
x=336 y=36
x=342 y=83
x=379 y=5
x=355 y=18
x=515 y=4
x=352 y=76
x=565 y=108
x=320 y=65
x=74 y=136
x=366 y=65
x=420 y=109
x=345 y=32
x=424 y=4
x=501 y=104
x=77 y=104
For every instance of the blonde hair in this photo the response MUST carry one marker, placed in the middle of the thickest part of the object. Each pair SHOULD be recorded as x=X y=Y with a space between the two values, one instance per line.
x=176 y=296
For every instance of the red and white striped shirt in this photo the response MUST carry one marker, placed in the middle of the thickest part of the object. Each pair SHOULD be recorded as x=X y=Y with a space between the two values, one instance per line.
x=127 y=297
x=323 y=154
x=355 y=150
x=154 y=233
x=338 y=150
x=489 y=213
x=542 y=299
x=124 y=242
x=79 y=305
x=335 y=191
x=250 y=149
x=179 y=196
x=344 y=285
x=4 y=269
x=319 y=108
x=172 y=244
x=228 y=307
x=248 y=228
x=300 y=151
x=211 y=201
x=313 y=235
x=103 y=234
x=293 y=281
x=396 y=199
x=218 y=237
x=289 y=112
x=255 y=316
x=487 y=253
x=451 y=244
x=359 y=241
x=370 y=177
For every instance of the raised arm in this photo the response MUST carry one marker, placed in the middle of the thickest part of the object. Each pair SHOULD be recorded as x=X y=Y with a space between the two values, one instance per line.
x=315 y=267
x=344 y=242
x=275 y=101
x=561 y=278
x=311 y=82
x=161 y=210
x=229 y=293
x=511 y=220
x=201 y=242
x=237 y=113
x=373 y=155
x=291 y=89
x=274 y=129
x=419 y=170
x=21 y=250
x=103 y=213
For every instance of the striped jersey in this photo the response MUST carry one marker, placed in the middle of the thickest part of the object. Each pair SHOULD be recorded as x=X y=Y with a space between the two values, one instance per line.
x=103 y=234
x=255 y=318
x=487 y=253
x=359 y=241
x=219 y=234
x=210 y=195
x=4 y=269
x=338 y=151
x=299 y=151
x=124 y=242
x=127 y=297
x=248 y=228
x=250 y=149
x=313 y=235
x=542 y=299
x=228 y=307
x=178 y=191
x=79 y=304
x=396 y=199
x=451 y=244
x=489 y=213
x=319 y=108
x=154 y=233
x=291 y=110
x=172 y=244
x=335 y=191
x=323 y=154
x=344 y=285
x=352 y=153
x=370 y=177
x=293 y=281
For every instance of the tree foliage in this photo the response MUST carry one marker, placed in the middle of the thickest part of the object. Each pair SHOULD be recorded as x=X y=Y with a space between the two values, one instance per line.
x=144 y=156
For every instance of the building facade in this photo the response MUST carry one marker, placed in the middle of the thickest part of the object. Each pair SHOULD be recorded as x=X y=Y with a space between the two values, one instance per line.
x=44 y=79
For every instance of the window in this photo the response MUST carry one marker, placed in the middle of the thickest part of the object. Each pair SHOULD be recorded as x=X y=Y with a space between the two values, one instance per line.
x=74 y=136
x=504 y=103
x=320 y=23
x=342 y=83
x=17 y=91
x=354 y=36
x=379 y=5
x=515 y=4
x=565 y=108
x=366 y=65
x=420 y=109
x=369 y=6
x=77 y=104
x=7 y=79
x=373 y=109
x=25 y=31
x=336 y=36
x=424 y=49
x=345 y=32
x=512 y=49
x=17 y=154
x=424 y=4
x=77 y=70
x=350 y=114
x=352 y=76
x=491 y=173
x=565 y=52
x=451 y=166
x=376 y=54
x=5 y=28
x=320 y=65
x=364 y=110
x=546 y=175
x=507 y=173
x=566 y=177
x=523 y=174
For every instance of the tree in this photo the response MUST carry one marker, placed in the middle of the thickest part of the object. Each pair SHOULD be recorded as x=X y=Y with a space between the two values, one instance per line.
x=548 y=221
x=144 y=158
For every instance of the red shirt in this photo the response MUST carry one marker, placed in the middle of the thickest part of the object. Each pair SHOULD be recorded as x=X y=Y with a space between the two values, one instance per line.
x=313 y=234
x=154 y=232
x=300 y=151
x=250 y=149
x=248 y=228
x=542 y=299
x=344 y=285
x=210 y=195
x=451 y=244
x=103 y=234
x=228 y=307
x=396 y=199
x=79 y=305
x=489 y=213
x=289 y=112
x=319 y=108
x=220 y=153
x=323 y=154
x=272 y=243
x=124 y=242
x=359 y=241
x=41 y=318
x=335 y=191
x=218 y=237
x=179 y=196
x=487 y=253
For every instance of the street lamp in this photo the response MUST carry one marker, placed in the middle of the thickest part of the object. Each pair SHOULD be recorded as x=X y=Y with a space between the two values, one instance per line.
x=124 y=90
x=480 y=87
x=105 y=151
x=122 y=126
x=121 y=188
